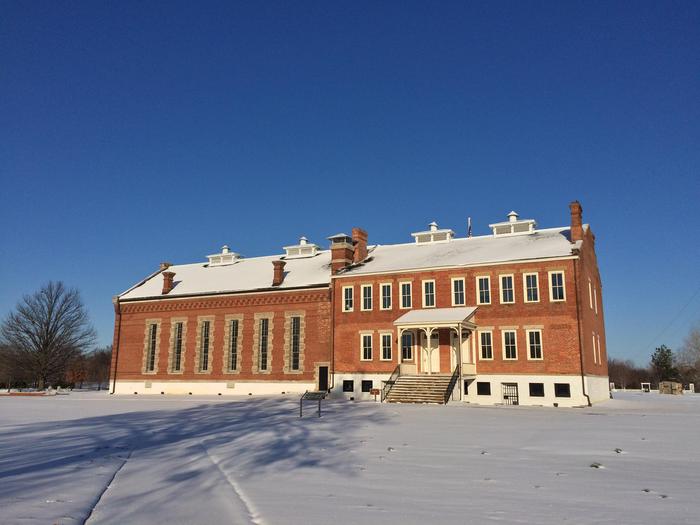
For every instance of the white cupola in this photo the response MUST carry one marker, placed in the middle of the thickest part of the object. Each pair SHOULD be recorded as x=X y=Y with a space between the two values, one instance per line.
x=225 y=257
x=433 y=234
x=303 y=249
x=513 y=226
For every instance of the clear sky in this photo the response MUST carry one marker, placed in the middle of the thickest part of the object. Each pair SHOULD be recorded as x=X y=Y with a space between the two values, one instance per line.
x=137 y=132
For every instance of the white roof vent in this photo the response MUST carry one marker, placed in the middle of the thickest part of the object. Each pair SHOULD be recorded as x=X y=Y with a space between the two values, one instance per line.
x=303 y=249
x=225 y=257
x=513 y=226
x=433 y=235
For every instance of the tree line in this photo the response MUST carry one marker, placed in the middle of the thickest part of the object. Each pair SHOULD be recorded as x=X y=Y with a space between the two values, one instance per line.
x=665 y=364
x=47 y=340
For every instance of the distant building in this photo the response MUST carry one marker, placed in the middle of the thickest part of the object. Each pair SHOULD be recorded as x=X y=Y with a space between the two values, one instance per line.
x=520 y=312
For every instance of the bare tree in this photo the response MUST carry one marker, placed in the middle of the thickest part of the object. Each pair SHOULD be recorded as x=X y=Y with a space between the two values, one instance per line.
x=46 y=330
x=689 y=357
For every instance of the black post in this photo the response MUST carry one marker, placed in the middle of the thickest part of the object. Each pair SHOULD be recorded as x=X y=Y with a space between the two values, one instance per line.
x=301 y=399
x=319 y=407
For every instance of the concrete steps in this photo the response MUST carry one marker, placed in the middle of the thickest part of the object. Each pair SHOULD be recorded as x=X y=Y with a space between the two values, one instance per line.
x=419 y=389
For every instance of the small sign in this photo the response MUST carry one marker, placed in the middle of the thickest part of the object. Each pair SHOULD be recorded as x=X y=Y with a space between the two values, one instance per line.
x=374 y=392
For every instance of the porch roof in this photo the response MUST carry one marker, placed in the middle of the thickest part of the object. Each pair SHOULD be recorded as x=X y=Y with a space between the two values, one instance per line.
x=437 y=316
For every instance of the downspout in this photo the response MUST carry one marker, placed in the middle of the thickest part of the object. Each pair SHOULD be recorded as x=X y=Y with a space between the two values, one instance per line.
x=332 y=295
x=580 y=334
x=118 y=313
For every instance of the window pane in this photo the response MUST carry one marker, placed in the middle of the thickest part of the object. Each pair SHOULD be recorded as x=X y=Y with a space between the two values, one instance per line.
x=386 y=346
x=407 y=346
x=295 y=342
x=264 y=325
x=233 y=345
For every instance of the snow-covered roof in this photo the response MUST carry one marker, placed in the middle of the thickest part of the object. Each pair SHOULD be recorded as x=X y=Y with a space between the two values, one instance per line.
x=437 y=316
x=470 y=251
x=243 y=276
x=255 y=273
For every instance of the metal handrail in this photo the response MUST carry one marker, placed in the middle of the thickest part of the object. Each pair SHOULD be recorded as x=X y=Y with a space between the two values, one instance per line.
x=390 y=382
x=453 y=382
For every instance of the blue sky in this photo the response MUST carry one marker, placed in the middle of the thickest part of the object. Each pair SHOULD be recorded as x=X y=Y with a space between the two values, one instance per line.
x=133 y=133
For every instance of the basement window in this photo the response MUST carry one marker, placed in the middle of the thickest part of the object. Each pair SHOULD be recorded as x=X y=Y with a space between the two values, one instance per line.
x=562 y=389
x=483 y=388
x=348 y=385
x=367 y=385
x=536 y=389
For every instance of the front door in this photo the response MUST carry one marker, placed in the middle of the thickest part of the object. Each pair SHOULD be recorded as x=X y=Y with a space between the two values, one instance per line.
x=510 y=393
x=323 y=378
x=430 y=354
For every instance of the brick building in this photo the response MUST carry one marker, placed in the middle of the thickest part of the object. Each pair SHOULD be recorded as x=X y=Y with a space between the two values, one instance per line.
x=511 y=317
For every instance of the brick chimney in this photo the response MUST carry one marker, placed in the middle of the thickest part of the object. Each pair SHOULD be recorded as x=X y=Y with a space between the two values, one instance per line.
x=359 y=239
x=576 y=221
x=165 y=266
x=278 y=272
x=168 y=282
x=341 y=252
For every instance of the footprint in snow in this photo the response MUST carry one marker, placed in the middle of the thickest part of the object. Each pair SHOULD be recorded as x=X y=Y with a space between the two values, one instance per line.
x=663 y=496
x=484 y=453
x=596 y=465
x=391 y=449
x=619 y=451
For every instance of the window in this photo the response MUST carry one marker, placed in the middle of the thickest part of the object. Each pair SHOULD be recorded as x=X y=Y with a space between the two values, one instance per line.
x=406 y=295
x=407 y=346
x=595 y=300
x=366 y=340
x=204 y=348
x=386 y=347
x=486 y=345
x=532 y=291
x=536 y=389
x=177 y=348
x=507 y=293
x=595 y=354
x=367 y=385
x=428 y=294
x=599 y=358
x=590 y=294
x=483 y=388
x=483 y=287
x=348 y=385
x=457 y=292
x=386 y=296
x=466 y=387
x=262 y=350
x=295 y=343
x=151 y=354
x=366 y=297
x=233 y=344
x=562 y=389
x=510 y=347
x=556 y=286
x=534 y=344
x=347 y=298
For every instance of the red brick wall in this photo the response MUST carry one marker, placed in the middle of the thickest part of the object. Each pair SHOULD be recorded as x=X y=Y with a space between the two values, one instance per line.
x=314 y=303
x=559 y=320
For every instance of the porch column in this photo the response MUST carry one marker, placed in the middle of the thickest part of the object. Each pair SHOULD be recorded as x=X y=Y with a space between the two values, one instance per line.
x=459 y=360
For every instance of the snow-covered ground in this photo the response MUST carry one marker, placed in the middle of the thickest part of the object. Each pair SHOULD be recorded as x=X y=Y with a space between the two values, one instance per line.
x=185 y=460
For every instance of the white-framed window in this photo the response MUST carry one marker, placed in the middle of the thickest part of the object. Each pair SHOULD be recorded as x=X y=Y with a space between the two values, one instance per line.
x=599 y=358
x=152 y=347
x=406 y=295
x=534 y=344
x=507 y=290
x=531 y=288
x=407 y=346
x=386 y=346
x=458 y=291
x=263 y=344
x=590 y=294
x=595 y=299
x=483 y=290
x=557 y=288
x=366 y=297
x=204 y=346
x=233 y=357
x=295 y=342
x=429 y=294
x=510 y=345
x=177 y=347
x=365 y=347
x=595 y=354
x=348 y=299
x=385 y=299
x=486 y=345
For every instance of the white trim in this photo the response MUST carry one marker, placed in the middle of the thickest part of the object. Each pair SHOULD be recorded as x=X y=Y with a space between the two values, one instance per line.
x=464 y=291
x=436 y=268
x=364 y=287
x=537 y=277
x=551 y=288
x=527 y=343
x=352 y=289
x=382 y=334
x=500 y=288
x=423 y=283
x=478 y=289
x=503 y=345
x=410 y=295
x=381 y=296
x=362 y=348
x=600 y=360
x=595 y=299
x=595 y=354
x=590 y=293
x=480 y=351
